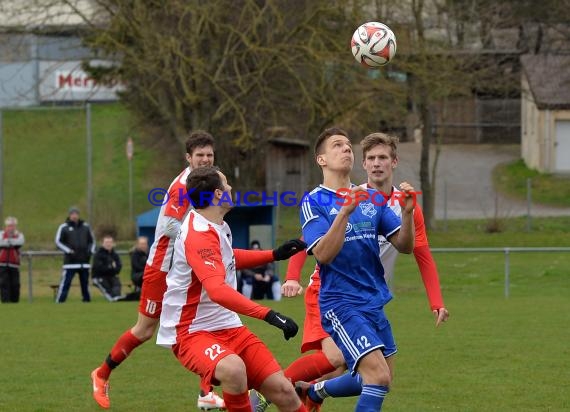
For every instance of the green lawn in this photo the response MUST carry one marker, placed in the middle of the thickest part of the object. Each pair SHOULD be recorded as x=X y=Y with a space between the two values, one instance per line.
x=45 y=169
x=494 y=354
x=511 y=178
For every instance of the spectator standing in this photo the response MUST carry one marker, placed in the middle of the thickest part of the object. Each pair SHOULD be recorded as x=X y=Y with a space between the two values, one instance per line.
x=106 y=268
x=76 y=240
x=10 y=243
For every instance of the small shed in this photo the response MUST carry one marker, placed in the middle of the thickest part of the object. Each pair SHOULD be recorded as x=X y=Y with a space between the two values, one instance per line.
x=287 y=165
x=247 y=223
x=545 y=110
x=146 y=224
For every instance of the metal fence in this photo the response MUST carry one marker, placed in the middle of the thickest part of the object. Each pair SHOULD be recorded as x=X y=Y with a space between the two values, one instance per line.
x=506 y=251
x=29 y=255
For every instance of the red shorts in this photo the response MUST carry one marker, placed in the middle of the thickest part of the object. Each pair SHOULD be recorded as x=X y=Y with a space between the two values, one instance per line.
x=313 y=332
x=152 y=292
x=200 y=352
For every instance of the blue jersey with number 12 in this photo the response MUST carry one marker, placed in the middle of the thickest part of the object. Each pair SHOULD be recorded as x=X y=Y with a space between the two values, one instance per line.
x=355 y=276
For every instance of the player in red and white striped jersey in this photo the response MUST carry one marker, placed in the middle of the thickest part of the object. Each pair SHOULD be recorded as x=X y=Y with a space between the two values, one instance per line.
x=200 y=321
x=199 y=153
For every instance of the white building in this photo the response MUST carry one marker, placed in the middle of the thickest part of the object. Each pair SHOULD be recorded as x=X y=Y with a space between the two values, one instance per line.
x=545 y=109
x=41 y=54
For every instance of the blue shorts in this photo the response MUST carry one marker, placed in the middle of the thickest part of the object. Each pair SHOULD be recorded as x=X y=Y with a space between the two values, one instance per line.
x=358 y=333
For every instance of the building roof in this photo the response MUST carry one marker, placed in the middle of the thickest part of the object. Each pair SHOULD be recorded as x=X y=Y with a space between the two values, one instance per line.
x=28 y=15
x=548 y=77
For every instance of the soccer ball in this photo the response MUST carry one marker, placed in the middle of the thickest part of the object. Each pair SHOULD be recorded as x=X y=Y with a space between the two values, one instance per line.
x=373 y=44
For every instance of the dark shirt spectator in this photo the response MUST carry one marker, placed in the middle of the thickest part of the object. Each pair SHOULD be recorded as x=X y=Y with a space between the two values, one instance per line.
x=106 y=268
x=139 y=255
x=260 y=278
x=75 y=239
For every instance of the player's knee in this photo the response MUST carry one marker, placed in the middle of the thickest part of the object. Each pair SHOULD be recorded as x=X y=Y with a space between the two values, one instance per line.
x=335 y=358
x=384 y=379
x=334 y=355
x=374 y=370
x=143 y=332
x=231 y=372
x=376 y=376
x=282 y=394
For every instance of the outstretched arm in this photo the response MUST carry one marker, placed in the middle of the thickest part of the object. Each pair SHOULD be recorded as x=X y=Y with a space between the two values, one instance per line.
x=253 y=258
x=208 y=266
x=292 y=286
x=428 y=268
x=206 y=263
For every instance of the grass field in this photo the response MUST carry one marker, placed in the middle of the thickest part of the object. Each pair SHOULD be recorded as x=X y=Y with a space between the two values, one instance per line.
x=511 y=354
x=511 y=178
x=45 y=169
x=494 y=354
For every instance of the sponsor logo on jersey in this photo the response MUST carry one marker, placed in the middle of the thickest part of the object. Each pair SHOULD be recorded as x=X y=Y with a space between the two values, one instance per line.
x=333 y=212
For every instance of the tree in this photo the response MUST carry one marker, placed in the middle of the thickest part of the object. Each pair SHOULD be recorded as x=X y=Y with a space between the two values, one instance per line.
x=237 y=67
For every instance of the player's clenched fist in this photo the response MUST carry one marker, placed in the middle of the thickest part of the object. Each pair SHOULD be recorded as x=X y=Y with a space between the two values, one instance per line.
x=288 y=249
x=352 y=197
x=291 y=288
x=409 y=196
x=287 y=325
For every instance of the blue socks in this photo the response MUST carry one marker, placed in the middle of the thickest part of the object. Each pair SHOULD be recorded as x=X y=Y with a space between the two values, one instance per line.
x=371 y=398
x=339 y=387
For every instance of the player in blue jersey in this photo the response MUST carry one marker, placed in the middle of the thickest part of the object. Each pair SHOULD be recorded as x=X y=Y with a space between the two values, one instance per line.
x=341 y=223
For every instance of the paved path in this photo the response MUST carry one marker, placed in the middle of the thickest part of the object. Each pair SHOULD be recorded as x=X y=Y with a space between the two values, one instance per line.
x=465 y=170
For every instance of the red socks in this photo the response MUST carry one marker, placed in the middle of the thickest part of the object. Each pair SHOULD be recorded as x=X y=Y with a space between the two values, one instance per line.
x=309 y=368
x=122 y=348
x=237 y=403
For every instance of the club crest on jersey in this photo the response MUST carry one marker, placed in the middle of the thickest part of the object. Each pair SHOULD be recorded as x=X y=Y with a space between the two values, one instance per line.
x=367 y=209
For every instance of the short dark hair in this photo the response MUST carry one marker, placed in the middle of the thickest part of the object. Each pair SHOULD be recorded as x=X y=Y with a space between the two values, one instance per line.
x=198 y=138
x=331 y=131
x=201 y=184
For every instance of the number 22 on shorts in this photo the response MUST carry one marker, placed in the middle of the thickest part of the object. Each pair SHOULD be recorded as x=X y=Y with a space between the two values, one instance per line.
x=214 y=351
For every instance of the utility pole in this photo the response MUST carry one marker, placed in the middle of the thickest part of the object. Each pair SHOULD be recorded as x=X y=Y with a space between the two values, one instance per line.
x=89 y=163
x=130 y=150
